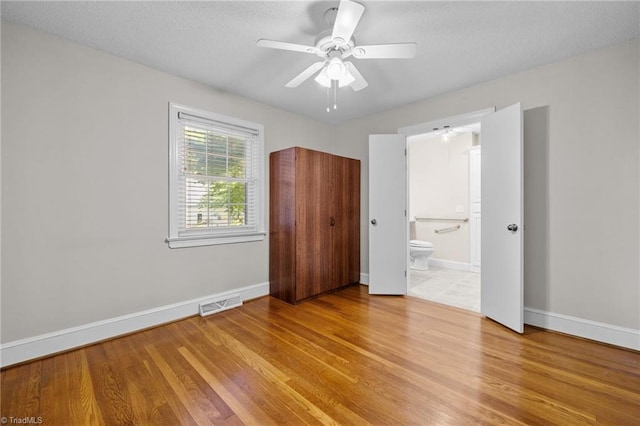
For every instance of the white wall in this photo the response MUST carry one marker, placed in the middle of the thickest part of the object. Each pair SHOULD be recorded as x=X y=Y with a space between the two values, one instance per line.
x=581 y=142
x=84 y=187
x=438 y=185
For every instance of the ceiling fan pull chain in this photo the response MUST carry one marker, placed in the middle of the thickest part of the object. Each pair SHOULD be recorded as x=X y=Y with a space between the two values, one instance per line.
x=328 y=108
x=335 y=94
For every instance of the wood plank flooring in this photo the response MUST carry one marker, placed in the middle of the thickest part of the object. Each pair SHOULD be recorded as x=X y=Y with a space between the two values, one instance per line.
x=345 y=358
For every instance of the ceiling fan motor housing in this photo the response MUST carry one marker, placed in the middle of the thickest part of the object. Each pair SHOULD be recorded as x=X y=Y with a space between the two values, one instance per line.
x=325 y=45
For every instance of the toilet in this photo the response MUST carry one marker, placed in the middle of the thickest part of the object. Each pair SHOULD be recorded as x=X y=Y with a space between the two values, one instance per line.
x=419 y=252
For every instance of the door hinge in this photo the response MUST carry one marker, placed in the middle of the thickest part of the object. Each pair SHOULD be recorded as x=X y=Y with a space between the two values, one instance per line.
x=405 y=152
x=405 y=212
x=405 y=273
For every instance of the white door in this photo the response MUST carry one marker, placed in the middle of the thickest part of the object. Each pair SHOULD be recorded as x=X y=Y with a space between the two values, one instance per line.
x=388 y=225
x=502 y=217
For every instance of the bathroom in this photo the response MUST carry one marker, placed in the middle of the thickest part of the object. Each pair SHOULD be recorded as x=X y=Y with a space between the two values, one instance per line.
x=444 y=211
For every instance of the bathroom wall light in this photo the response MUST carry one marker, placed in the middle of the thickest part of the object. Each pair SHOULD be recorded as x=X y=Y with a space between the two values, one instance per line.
x=447 y=134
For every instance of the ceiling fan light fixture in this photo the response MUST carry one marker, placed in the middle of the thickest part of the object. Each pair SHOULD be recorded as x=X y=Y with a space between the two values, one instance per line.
x=335 y=68
x=336 y=44
x=346 y=79
x=323 y=78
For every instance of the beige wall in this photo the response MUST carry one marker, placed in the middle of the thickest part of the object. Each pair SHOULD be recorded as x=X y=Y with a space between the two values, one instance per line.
x=581 y=140
x=76 y=251
x=84 y=195
x=438 y=184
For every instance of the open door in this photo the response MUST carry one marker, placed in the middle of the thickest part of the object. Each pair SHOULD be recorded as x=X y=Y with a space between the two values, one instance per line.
x=388 y=225
x=502 y=217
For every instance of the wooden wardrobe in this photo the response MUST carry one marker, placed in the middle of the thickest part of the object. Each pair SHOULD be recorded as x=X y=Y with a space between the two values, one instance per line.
x=314 y=223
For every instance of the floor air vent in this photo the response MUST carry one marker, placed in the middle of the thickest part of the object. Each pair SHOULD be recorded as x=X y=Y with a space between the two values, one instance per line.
x=218 y=305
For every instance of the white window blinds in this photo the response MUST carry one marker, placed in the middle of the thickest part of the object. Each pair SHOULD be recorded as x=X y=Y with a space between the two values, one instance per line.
x=218 y=178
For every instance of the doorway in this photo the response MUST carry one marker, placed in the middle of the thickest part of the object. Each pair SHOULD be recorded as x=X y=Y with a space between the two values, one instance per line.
x=502 y=199
x=444 y=215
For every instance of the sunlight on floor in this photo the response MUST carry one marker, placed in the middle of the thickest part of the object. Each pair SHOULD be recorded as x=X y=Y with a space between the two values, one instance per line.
x=448 y=286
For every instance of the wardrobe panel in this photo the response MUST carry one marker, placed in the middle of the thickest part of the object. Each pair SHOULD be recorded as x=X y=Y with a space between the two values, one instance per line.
x=345 y=234
x=313 y=171
x=314 y=223
x=282 y=230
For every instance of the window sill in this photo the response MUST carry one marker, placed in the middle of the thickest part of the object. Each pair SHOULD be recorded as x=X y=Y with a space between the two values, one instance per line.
x=193 y=241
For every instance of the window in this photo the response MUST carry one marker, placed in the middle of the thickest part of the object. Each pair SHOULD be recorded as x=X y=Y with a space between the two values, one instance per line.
x=216 y=179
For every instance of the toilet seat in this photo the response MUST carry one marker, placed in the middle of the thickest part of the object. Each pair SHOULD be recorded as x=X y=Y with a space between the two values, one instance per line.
x=420 y=243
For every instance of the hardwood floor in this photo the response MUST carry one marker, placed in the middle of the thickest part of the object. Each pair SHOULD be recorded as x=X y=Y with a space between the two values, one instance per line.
x=345 y=358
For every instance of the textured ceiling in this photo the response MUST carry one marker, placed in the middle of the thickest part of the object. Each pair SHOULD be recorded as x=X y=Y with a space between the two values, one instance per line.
x=459 y=43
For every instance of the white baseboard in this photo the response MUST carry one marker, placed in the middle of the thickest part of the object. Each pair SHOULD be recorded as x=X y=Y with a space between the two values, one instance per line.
x=452 y=264
x=364 y=278
x=592 y=330
x=58 y=341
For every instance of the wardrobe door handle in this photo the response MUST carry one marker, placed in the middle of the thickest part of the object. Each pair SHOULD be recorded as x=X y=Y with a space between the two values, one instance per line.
x=332 y=221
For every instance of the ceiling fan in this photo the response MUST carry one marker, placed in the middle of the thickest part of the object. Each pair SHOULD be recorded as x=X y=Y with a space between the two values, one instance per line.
x=337 y=44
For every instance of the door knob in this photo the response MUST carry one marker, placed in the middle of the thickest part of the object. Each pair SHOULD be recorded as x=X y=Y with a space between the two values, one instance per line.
x=513 y=227
x=374 y=222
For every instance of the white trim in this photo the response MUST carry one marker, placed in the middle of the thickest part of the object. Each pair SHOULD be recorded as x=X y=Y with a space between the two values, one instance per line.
x=58 y=341
x=364 y=278
x=452 y=264
x=182 y=242
x=600 y=332
x=475 y=207
x=421 y=128
x=179 y=239
x=454 y=121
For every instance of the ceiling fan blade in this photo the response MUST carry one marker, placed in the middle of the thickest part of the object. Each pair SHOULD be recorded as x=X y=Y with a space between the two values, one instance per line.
x=347 y=18
x=359 y=83
x=297 y=80
x=283 y=45
x=386 y=51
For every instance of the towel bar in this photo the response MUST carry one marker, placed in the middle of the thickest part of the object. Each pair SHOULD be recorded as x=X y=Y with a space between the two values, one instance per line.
x=442 y=219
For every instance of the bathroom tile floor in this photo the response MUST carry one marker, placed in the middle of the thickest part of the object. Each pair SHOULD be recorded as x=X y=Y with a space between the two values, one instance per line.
x=447 y=286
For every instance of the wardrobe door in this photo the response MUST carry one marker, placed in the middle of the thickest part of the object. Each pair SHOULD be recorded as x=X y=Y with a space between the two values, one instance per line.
x=282 y=235
x=345 y=214
x=313 y=199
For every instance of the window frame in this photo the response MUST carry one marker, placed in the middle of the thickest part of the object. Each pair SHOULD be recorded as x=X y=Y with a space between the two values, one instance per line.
x=179 y=238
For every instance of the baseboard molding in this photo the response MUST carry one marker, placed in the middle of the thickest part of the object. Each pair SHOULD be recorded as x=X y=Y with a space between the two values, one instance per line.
x=364 y=278
x=452 y=264
x=50 y=343
x=592 y=330
x=63 y=340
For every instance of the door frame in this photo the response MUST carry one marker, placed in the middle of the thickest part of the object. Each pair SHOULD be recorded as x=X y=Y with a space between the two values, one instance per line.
x=427 y=127
x=475 y=153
